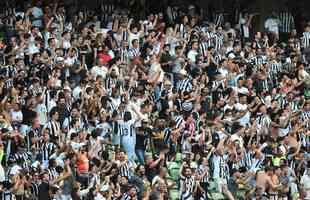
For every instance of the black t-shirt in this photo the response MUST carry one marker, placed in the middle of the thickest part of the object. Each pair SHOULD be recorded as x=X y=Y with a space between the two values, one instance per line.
x=166 y=57
x=151 y=172
x=141 y=137
x=163 y=106
x=44 y=191
x=28 y=116
x=211 y=71
x=63 y=113
x=158 y=137
x=34 y=133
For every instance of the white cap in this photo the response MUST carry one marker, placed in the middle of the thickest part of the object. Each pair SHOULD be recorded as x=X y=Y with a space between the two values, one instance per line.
x=60 y=59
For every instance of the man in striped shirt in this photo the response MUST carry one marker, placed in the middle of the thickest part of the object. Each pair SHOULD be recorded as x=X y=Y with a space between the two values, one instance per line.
x=188 y=185
x=287 y=24
x=53 y=125
x=305 y=114
x=185 y=83
x=305 y=39
x=220 y=170
x=47 y=148
x=263 y=120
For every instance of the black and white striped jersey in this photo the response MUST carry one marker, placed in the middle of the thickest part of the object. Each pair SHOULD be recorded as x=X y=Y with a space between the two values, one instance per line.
x=172 y=13
x=218 y=19
x=305 y=40
x=110 y=83
x=219 y=41
x=54 y=128
x=204 y=172
x=183 y=31
x=203 y=48
x=126 y=197
x=287 y=23
x=256 y=163
x=33 y=133
x=107 y=10
x=46 y=150
x=263 y=120
x=47 y=98
x=211 y=38
x=124 y=54
x=187 y=188
x=67 y=124
x=124 y=169
x=34 y=91
x=167 y=135
x=52 y=173
x=133 y=52
x=247 y=159
x=7 y=195
x=185 y=85
x=219 y=166
x=9 y=71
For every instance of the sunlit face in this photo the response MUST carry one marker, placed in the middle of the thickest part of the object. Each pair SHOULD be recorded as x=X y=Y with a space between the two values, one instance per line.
x=263 y=109
x=307 y=107
x=124 y=180
x=142 y=170
x=121 y=156
x=195 y=45
x=46 y=135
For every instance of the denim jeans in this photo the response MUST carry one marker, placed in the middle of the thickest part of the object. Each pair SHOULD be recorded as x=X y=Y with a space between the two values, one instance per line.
x=140 y=153
x=129 y=144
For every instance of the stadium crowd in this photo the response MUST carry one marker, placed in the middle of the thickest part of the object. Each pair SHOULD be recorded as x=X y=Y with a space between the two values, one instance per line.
x=101 y=104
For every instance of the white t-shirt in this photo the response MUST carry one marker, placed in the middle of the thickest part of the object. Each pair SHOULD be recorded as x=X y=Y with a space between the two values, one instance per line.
x=51 y=105
x=37 y=13
x=223 y=71
x=42 y=113
x=76 y=146
x=155 y=68
x=241 y=90
x=2 y=174
x=245 y=119
x=16 y=115
x=105 y=128
x=66 y=44
x=76 y=92
x=192 y=55
x=272 y=25
x=305 y=181
x=99 y=197
x=70 y=61
x=131 y=37
x=32 y=49
x=99 y=71
x=127 y=130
